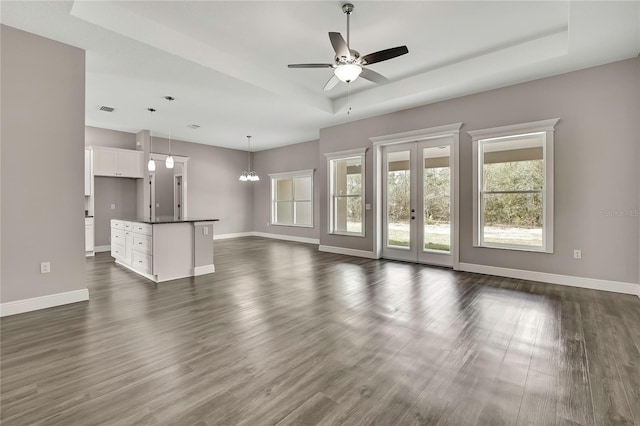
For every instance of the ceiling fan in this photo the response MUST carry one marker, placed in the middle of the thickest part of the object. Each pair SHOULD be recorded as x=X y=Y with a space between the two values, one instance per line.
x=348 y=64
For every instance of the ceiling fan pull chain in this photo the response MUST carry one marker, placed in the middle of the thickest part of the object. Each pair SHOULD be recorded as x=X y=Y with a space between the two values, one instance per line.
x=348 y=99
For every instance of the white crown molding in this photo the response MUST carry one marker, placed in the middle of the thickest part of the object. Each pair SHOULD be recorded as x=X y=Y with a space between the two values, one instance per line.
x=417 y=135
x=346 y=153
x=292 y=174
x=521 y=128
x=43 y=302
x=568 y=280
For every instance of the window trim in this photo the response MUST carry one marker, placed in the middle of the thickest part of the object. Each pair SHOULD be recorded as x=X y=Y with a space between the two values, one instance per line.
x=290 y=175
x=545 y=127
x=344 y=155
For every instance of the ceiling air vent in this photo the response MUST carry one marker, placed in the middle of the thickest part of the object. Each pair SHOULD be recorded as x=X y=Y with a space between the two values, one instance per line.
x=106 y=108
x=193 y=126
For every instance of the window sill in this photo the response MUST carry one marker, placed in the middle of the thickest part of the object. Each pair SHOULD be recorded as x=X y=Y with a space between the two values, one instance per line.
x=515 y=248
x=347 y=234
x=291 y=225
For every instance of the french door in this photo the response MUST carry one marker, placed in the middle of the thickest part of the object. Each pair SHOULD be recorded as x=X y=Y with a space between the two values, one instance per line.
x=418 y=203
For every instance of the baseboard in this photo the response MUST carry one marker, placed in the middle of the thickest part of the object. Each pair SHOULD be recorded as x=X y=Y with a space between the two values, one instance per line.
x=43 y=302
x=205 y=269
x=348 y=251
x=100 y=249
x=568 y=280
x=287 y=238
x=235 y=235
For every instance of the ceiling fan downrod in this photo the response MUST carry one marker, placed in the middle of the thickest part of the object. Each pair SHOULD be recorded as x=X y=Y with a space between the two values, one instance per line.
x=347 y=8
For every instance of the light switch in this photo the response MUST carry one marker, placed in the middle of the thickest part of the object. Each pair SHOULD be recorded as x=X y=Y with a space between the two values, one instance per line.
x=367 y=206
x=113 y=206
x=157 y=204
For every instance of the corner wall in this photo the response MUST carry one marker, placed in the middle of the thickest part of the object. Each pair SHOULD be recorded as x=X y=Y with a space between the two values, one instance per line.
x=596 y=167
x=302 y=156
x=42 y=182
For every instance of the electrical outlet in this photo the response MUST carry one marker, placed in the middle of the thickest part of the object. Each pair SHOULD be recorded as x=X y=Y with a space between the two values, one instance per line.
x=113 y=206
x=205 y=231
x=45 y=267
x=367 y=206
x=577 y=254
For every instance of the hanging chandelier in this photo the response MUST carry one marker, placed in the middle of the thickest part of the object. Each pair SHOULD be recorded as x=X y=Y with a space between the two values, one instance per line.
x=249 y=176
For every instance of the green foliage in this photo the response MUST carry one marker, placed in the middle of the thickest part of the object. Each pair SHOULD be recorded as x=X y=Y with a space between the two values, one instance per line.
x=517 y=210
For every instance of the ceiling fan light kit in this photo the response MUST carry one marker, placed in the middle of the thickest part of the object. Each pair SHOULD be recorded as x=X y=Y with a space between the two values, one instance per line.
x=348 y=72
x=348 y=65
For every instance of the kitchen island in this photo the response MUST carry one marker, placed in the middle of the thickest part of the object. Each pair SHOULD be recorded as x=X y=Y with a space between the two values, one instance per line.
x=164 y=249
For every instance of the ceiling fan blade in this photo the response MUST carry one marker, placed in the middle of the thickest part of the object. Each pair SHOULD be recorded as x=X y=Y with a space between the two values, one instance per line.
x=371 y=75
x=331 y=83
x=310 y=66
x=384 y=55
x=339 y=45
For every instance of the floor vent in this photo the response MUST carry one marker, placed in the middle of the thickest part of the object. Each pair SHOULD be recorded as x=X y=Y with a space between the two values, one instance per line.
x=193 y=126
x=106 y=108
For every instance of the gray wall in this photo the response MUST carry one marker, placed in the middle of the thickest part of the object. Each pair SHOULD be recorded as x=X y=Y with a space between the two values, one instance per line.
x=43 y=88
x=302 y=156
x=164 y=190
x=213 y=189
x=596 y=166
x=111 y=190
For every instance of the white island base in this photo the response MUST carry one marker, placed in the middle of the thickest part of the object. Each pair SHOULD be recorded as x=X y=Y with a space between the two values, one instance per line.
x=164 y=250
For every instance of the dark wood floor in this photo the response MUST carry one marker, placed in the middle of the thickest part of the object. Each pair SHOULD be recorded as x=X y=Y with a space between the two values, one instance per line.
x=283 y=334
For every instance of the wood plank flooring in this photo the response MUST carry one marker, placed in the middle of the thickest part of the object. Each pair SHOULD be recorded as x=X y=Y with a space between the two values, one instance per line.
x=282 y=334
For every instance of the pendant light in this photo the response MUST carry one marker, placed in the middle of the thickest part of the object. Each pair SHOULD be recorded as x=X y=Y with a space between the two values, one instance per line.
x=250 y=176
x=169 y=161
x=151 y=165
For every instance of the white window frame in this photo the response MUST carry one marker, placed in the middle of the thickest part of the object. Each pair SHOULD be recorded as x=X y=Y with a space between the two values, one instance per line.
x=337 y=156
x=478 y=137
x=274 y=177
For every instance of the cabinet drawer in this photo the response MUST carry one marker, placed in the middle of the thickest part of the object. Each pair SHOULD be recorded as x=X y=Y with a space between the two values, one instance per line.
x=142 y=228
x=142 y=262
x=118 y=224
x=117 y=236
x=128 y=226
x=117 y=251
x=142 y=243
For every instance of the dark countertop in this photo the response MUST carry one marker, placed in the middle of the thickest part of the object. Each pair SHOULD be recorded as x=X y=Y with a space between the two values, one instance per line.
x=169 y=219
x=87 y=215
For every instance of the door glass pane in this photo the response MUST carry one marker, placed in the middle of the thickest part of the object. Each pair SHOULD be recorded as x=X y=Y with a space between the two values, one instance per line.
x=437 y=198
x=399 y=199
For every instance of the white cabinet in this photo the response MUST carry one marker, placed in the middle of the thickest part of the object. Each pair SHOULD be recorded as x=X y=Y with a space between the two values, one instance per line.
x=88 y=236
x=132 y=245
x=87 y=172
x=117 y=162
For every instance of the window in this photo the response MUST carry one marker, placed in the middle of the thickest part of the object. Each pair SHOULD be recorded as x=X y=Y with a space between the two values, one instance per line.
x=513 y=177
x=346 y=192
x=292 y=198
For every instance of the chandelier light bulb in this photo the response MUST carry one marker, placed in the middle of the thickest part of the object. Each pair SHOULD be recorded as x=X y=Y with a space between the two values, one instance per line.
x=151 y=165
x=169 y=162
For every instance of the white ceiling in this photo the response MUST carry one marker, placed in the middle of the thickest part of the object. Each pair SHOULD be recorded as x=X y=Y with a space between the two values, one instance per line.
x=225 y=62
